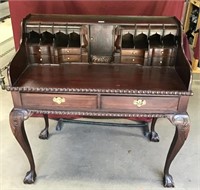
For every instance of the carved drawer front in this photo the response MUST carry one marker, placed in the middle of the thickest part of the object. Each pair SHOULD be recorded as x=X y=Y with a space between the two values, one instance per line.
x=155 y=104
x=131 y=59
x=40 y=59
x=69 y=58
x=70 y=51
x=39 y=49
x=58 y=101
x=133 y=52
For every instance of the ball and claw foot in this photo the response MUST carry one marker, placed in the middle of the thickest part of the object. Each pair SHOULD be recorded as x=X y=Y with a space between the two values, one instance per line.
x=44 y=134
x=168 y=181
x=30 y=177
x=154 y=136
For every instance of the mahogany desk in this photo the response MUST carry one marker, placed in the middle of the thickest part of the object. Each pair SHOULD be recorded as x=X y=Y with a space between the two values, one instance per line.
x=110 y=66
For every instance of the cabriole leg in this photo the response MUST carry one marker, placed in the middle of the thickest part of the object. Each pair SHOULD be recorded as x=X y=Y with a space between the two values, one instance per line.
x=153 y=135
x=44 y=134
x=17 y=118
x=182 y=129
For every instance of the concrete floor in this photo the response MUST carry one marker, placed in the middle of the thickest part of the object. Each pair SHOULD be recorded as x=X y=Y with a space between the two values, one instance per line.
x=94 y=157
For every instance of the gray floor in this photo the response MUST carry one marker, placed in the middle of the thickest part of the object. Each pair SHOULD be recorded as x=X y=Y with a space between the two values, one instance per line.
x=99 y=157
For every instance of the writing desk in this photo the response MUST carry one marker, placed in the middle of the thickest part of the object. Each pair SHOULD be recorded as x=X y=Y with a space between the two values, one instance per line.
x=110 y=66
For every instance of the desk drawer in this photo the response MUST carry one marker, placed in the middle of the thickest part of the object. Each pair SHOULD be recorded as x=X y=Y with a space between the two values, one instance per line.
x=69 y=58
x=133 y=52
x=163 y=52
x=40 y=59
x=39 y=49
x=131 y=59
x=163 y=61
x=140 y=103
x=69 y=51
x=58 y=101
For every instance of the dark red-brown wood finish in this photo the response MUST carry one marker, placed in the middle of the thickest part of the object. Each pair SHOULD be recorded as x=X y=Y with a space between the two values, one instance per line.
x=110 y=66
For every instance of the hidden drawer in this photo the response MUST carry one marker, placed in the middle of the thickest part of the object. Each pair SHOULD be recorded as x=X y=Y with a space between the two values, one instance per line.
x=139 y=104
x=58 y=101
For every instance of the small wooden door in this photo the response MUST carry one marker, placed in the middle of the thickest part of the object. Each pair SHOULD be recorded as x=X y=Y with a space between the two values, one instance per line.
x=101 y=40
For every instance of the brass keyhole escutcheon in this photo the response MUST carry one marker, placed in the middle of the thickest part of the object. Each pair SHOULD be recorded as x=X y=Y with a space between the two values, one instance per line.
x=139 y=102
x=58 y=100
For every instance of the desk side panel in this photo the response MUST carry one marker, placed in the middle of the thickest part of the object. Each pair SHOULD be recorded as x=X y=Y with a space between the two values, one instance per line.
x=17 y=65
x=182 y=65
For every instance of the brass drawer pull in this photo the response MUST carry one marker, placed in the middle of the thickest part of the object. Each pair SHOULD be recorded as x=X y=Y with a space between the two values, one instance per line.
x=58 y=100
x=139 y=102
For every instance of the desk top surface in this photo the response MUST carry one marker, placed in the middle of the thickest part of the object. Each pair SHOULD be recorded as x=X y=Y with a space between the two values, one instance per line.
x=100 y=76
